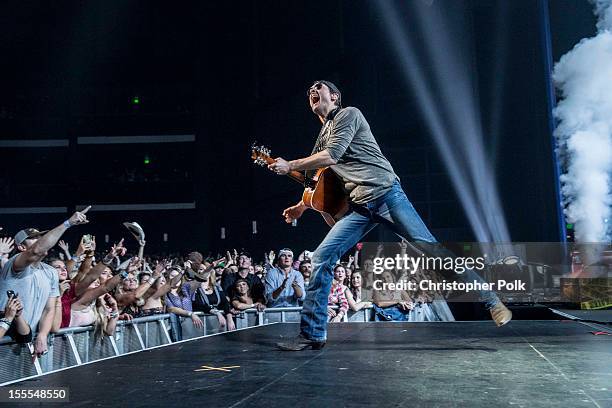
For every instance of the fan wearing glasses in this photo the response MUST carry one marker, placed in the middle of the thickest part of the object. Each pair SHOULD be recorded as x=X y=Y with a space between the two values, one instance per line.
x=346 y=145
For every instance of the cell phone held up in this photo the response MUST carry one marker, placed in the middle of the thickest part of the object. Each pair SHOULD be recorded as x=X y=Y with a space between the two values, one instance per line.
x=11 y=294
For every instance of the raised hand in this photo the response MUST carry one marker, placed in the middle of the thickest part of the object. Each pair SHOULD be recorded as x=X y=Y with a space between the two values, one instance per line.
x=159 y=268
x=228 y=259
x=118 y=249
x=217 y=262
x=135 y=264
x=351 y=260
x=6 y=246
x=83 y=247
x=271 y=257
x=64 y=247
x=79 y=217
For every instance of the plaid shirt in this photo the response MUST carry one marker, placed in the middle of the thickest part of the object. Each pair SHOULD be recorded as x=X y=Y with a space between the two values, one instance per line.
x=337 y=298
x=182 y=302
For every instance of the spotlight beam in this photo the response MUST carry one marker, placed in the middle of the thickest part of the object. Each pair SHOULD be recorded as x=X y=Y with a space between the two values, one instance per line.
x=452 y=116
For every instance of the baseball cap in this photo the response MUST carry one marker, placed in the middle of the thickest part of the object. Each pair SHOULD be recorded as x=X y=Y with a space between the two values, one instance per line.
x=28 y=233
x=332 y=89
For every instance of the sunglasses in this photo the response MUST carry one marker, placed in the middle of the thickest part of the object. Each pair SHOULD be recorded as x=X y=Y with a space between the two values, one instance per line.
x=316 y=86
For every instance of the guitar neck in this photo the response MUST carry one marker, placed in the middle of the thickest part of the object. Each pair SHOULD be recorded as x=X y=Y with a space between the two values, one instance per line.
x=297 y=176
x=294 y=175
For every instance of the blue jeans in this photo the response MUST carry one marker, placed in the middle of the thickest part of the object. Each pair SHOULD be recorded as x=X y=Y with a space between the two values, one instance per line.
x=394 y=210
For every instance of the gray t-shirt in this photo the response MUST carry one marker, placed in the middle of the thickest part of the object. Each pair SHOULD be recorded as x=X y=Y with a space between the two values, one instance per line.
x=365 y=171
x=34 y=285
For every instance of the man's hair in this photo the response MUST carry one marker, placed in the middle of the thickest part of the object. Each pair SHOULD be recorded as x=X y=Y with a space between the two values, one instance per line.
x=195 y=257
x=242 y=280
x=332 y=89
x=305 y=261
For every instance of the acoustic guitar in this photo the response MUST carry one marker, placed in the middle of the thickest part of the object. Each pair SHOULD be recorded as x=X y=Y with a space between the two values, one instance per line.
x=323 y=192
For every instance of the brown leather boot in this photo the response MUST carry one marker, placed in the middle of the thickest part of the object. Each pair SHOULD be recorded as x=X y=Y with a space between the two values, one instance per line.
x=500 y=314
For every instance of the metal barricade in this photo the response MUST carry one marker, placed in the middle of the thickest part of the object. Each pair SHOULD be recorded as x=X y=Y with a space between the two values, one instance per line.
x=78 y=345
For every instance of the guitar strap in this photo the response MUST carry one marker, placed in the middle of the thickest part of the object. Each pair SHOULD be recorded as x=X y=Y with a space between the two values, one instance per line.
x=323 y=137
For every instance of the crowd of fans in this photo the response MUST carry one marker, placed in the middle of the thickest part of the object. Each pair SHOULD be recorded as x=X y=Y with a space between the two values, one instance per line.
x=95 y=286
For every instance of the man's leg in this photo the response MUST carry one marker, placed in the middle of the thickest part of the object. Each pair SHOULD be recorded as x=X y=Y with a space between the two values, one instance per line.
x=343 y=235
x=406 y=222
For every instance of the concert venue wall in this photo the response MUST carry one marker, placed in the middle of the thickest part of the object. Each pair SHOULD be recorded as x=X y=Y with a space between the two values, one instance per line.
x=228 y=73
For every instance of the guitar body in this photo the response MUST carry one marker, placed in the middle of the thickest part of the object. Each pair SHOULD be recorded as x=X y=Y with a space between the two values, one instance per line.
x=327 y=196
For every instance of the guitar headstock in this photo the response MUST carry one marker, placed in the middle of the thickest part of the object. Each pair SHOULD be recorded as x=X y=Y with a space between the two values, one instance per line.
x=260 y=155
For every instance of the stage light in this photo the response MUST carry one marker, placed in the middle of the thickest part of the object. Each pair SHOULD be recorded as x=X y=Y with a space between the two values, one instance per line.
x=147 y=160
x=441 y=79
x=135 y=100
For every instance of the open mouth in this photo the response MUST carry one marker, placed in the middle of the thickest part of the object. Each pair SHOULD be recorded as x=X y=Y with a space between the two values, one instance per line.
x=314 y=99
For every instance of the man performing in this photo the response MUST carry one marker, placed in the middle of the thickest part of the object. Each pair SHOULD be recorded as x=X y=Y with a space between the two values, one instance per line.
x=347 y=145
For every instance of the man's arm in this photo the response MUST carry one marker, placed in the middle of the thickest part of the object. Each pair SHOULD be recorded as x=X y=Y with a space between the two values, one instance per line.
x=87 y=274
x=142 y=291
x=298 y=287
x=280 y=289
x=316 y=161
x=165 y=288
x=44 y=326
x=39 y=250
x=313 y=162
x=273 y=292
x=57 y=318
x=92 y=294
x=94 y=273
x=346 y=124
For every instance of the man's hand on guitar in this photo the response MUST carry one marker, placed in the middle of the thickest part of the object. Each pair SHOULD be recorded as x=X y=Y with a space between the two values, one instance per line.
x=294 y=212
x=280 y=166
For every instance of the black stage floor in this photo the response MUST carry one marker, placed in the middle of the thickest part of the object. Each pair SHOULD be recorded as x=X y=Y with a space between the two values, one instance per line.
x=466 y=364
